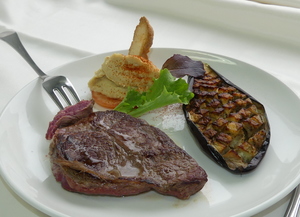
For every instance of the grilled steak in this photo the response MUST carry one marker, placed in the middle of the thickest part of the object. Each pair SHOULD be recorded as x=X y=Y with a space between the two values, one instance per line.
x=111 y=153
x=70 y=115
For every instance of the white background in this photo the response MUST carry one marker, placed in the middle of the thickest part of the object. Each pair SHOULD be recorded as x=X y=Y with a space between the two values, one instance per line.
x=57 y=32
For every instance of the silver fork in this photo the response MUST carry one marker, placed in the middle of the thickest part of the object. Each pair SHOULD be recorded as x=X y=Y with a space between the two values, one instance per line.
x=293 y=207
x=55 y=86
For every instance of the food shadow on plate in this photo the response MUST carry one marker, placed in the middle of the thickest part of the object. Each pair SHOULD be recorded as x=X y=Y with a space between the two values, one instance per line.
x=39 y=107
x=58 y=199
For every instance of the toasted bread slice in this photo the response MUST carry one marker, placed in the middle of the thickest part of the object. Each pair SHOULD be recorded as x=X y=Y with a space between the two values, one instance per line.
x=142 y=39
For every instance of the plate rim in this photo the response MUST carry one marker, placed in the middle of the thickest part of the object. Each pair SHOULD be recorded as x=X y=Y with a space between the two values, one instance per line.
x=45 y=209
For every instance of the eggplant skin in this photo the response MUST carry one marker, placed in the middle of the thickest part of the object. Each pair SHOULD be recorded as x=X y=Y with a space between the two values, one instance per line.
x=230 y=125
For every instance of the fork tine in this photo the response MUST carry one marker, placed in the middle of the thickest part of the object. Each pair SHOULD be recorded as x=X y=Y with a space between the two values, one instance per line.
x=63 y=94
x=73 y=91
x=55 y=99
x=51 y=84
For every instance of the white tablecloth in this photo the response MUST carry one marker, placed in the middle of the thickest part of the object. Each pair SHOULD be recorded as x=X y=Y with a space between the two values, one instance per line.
x=57 y=32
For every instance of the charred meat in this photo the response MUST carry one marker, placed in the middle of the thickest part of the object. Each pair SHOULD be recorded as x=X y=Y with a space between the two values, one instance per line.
x=112 y=153
x=69 y=116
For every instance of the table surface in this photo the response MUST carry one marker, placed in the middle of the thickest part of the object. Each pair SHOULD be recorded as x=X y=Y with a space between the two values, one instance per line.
x=56 y=33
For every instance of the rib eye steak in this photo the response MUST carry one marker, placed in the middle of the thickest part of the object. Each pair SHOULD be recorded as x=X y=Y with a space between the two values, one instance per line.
x=112 y=153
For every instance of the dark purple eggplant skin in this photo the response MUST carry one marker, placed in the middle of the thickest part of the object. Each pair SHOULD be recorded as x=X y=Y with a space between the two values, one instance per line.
x=214 y=154
x=180 y=66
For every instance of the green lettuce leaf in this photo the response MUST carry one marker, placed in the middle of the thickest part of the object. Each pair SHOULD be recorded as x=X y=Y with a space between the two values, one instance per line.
x=166 y=90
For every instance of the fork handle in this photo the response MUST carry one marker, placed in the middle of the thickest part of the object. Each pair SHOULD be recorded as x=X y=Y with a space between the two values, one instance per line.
x=12 y=38
x=293 y=207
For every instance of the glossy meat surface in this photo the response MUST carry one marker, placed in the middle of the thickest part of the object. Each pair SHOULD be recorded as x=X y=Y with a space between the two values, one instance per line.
x=111 y=153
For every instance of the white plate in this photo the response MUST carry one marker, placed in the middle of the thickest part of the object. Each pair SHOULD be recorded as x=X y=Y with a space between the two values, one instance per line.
x=25 y=166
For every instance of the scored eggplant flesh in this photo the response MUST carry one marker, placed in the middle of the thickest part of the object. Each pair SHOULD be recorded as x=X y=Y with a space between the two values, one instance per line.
x=229 y=124
x=230 y=120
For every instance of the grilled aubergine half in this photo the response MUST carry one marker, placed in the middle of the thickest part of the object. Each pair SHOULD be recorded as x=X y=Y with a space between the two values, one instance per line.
x=229 y=124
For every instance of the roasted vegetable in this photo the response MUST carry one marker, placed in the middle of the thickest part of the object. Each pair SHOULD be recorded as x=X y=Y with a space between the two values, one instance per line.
x=230 y=125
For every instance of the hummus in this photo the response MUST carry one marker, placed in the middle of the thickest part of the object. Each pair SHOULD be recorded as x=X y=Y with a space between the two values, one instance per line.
x=118 y=72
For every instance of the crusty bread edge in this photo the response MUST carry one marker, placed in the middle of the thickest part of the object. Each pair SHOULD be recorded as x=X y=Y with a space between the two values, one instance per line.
x=142 y=39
